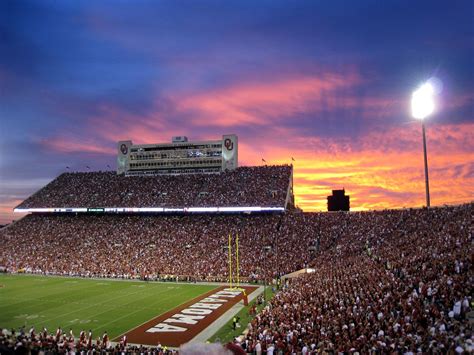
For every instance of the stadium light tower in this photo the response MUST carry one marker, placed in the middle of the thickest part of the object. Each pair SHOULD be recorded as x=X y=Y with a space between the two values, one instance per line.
x=422 y=105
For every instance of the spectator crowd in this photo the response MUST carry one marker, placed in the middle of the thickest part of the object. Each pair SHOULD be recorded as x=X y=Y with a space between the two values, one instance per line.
x=245 y=186
x=391 y=282
x=60 y=342
x=394 y=281
x=156 y=247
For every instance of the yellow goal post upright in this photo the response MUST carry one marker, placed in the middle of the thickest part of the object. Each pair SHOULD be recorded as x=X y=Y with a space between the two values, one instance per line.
x=234 y=280
x=229 y=252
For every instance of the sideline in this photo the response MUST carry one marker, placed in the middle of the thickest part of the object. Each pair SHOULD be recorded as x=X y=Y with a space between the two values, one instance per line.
x=209 y=283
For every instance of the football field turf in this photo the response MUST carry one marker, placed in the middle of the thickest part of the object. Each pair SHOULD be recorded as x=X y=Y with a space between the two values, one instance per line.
x=96 y=304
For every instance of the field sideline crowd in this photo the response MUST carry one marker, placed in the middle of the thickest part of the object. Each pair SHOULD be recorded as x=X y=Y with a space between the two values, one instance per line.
x=60 y=342
x=394 y=281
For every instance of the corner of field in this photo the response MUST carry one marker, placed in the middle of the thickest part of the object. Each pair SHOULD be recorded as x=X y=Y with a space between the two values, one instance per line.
x=221 y=323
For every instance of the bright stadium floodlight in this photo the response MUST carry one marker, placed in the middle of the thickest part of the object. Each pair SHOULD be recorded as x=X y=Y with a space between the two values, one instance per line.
x=422 y=102
x=422 y=105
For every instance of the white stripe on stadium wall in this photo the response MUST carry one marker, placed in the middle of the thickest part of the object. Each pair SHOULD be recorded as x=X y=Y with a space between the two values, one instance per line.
x=152 y=209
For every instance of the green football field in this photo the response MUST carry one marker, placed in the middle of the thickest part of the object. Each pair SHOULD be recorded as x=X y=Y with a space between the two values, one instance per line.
x=97 y=304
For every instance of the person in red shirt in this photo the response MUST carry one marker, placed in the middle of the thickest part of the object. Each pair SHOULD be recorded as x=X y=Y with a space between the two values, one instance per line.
x=82 y=337
x=58 y=334
x=105 y=340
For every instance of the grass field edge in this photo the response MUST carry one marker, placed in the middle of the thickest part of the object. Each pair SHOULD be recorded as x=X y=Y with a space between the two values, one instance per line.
x=30 y=279
x=230 y=335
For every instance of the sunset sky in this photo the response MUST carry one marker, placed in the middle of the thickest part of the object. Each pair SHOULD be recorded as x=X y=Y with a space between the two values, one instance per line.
x=325 y=82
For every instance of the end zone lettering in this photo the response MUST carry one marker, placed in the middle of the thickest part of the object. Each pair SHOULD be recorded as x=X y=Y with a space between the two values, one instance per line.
x=194 y=313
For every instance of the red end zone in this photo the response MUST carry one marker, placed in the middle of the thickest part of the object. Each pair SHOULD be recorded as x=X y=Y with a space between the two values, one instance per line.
x=183 y=323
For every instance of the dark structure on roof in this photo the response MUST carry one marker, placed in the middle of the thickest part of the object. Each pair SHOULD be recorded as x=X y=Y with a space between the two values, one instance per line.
x=338 y=201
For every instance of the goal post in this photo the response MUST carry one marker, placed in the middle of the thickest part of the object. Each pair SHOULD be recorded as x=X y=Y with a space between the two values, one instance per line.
x=229 y=251
x=233 y=259
x=237 y=259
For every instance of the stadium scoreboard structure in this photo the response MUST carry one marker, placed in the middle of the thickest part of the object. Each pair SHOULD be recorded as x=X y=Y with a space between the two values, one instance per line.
x=178 y=157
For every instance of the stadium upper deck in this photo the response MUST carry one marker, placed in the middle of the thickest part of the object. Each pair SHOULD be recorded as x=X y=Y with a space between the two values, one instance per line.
x=266 y=188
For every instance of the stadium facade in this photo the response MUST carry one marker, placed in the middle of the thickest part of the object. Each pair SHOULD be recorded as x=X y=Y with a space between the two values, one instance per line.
x=178 y=157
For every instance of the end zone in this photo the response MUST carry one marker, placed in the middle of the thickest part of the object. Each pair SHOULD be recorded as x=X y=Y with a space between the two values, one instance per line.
x=186 y=321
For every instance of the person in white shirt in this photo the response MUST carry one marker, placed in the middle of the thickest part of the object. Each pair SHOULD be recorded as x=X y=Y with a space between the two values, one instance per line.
x=457 y=309
x=304 y=351
x=258 y=348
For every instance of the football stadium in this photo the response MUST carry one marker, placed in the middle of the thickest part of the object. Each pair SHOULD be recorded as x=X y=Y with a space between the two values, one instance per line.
x=180 y=246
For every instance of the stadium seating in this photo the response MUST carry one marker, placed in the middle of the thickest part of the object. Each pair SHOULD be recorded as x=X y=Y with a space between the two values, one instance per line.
x=394 y=281
x=245 y=186
x=390 y=282
x=153 y=246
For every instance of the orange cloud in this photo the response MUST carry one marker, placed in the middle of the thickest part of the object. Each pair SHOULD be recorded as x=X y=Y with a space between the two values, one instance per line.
x=64 y=144
x=113 y=124
x=262 y=104
x=379 y=168
x=388 y=176
x=6 y=210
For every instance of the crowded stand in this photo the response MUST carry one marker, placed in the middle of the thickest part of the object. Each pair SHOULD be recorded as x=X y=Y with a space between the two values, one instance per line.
x=244 y=186
x=153 y=247
x=60 y=341
x=393 y=281
x=384 y=282
x=63 y=342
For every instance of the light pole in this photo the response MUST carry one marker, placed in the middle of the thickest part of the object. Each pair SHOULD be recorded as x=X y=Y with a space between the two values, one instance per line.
x=422 y=105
